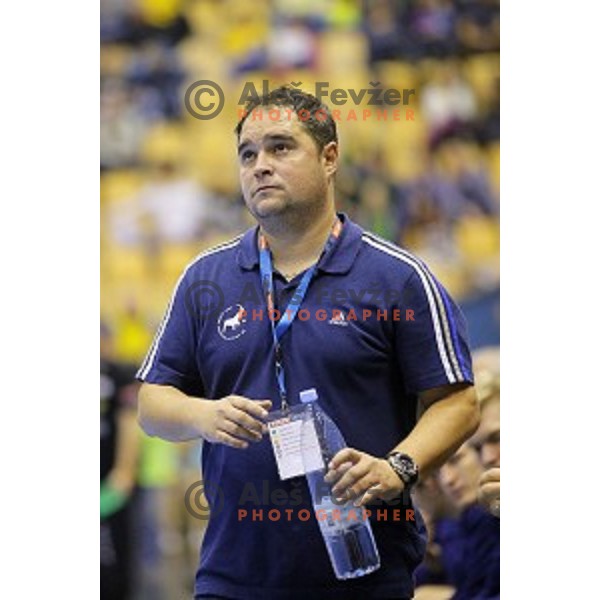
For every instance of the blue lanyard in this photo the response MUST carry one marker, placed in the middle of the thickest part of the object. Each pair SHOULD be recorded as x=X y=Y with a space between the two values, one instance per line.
x=287 y=317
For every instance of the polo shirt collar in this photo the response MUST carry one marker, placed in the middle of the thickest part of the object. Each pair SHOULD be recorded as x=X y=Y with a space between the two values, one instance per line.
x=339 y=260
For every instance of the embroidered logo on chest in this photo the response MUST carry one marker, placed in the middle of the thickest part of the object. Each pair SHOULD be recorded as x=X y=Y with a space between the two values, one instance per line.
x=230 y=323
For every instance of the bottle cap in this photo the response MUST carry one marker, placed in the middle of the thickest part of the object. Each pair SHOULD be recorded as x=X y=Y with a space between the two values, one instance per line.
x=309 y=395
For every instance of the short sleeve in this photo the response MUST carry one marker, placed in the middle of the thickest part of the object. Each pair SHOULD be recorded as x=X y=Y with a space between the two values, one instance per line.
x=171 y=359
x=432 y=341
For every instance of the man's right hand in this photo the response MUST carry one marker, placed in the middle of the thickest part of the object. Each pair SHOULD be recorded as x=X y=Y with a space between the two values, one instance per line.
x=489 y=490
x=234 y=420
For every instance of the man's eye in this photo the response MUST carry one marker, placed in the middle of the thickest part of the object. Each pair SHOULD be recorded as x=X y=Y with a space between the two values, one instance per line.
x=246 y=156
x=280 y=148
x=493 y=438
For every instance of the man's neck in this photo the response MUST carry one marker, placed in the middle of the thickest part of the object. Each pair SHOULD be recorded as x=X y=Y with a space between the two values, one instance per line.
x=299 y=244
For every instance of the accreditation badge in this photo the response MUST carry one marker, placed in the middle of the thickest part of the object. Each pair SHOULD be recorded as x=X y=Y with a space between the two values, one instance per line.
x=294 y=441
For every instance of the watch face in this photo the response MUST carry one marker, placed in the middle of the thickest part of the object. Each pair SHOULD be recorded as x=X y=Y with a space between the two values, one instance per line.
x=405 y=467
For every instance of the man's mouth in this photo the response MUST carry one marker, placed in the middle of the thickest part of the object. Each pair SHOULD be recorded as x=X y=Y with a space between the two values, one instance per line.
x=266 y=188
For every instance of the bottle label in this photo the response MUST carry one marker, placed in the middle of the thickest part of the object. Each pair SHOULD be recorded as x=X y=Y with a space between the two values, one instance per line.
x=294 y=441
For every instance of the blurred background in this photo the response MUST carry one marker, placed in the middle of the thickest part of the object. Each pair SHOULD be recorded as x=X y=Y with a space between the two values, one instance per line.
x=169 y=184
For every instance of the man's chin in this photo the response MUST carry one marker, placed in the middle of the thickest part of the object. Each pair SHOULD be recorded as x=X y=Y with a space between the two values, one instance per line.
x=267 y=208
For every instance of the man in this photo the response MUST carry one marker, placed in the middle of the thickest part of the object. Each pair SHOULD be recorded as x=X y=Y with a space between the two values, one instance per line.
x=487 y=441
x=119 y=452
x=470 y=549
x=216 y=374
x=486 y=366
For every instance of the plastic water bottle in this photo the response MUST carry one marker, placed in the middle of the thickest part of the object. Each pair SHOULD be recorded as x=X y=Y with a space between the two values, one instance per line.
x=345 y=528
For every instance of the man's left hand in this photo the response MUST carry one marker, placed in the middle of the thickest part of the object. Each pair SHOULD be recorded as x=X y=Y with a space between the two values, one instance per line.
x=363 y=478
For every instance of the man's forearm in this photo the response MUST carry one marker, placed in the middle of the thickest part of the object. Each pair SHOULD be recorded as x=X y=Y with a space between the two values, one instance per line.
x=441 y=430
x=166 y=412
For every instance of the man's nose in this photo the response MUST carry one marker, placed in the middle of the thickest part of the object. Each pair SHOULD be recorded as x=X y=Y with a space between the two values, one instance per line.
x=490 y=455
x=447 y=476
x=262 y=166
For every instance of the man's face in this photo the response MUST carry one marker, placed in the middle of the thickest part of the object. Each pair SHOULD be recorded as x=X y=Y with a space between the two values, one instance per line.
x=281 y=167
x=487 y=438
x=459 y=477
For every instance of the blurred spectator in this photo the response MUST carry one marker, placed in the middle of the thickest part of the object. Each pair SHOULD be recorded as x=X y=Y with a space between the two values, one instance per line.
x=379 y=201
x=478 y=25
x=157 y=519
x=432 y=22
x=487 y=437
x=291 y=46
x=136 y=21
x=447 y=97
x=119 y=450
x=387 y=30
x=488 y=123
x=472 y=552
x=456 y=185
x=175 y=209
x=155 y=78
x=132 y=334
x=448 y=503
x=121 y=126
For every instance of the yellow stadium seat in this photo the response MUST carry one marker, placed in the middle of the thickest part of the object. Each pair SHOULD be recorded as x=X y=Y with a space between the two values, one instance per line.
x=493 y=163
x=478 y=239
x=159 y=12
x=342 y=52
x=481 y=71
x=127 y=264
x=118 y=186
x=398 y=75
x=163 y=142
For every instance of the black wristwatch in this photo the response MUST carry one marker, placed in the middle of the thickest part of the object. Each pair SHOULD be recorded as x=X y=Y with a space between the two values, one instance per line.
x=405 y=467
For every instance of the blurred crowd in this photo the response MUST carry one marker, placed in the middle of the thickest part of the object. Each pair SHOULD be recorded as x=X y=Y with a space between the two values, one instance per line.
x=169 y=181
x=461 y=505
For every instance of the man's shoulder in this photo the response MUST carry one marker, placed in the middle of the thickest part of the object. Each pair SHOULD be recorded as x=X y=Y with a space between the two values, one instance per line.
x=391 y=257
x=217 y=255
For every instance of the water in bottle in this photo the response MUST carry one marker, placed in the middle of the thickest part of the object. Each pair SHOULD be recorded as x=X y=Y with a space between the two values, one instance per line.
x=345 y=528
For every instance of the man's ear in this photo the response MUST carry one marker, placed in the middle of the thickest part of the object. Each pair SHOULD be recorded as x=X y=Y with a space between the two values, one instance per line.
x=330 y=157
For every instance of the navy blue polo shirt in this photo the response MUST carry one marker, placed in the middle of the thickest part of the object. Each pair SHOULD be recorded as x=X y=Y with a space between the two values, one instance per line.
x=375 y=328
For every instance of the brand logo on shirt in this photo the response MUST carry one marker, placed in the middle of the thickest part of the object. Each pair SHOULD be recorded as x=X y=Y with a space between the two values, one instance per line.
x=230 y=324
x=338 y=318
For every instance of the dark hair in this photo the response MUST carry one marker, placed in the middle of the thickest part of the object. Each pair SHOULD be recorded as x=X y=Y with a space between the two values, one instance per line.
x=312 y=113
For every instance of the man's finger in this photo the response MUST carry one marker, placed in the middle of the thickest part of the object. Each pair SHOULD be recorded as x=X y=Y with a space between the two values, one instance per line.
x=491 y=475
x=236 y=430
x=345 y=455
x=245 y=420
x=372 y=493
x=225 y=438
x=333 y=475
x=350 y=479
x=256 y=408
